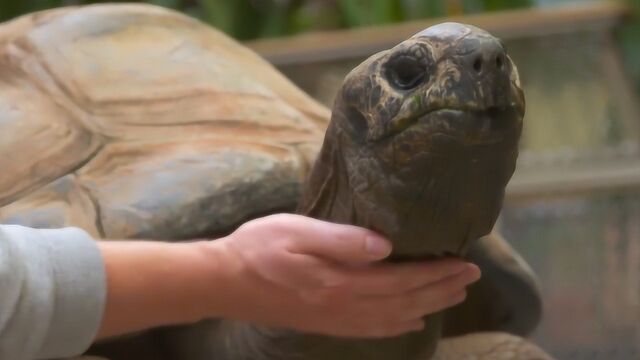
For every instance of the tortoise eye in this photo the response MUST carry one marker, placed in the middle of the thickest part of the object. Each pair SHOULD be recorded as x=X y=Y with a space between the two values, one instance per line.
x=406 y=72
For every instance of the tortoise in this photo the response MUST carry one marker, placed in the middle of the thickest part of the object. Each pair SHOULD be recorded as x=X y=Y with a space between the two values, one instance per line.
x=137 y=122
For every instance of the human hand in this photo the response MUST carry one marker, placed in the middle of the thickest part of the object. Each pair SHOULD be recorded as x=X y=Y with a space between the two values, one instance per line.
x=313 y=276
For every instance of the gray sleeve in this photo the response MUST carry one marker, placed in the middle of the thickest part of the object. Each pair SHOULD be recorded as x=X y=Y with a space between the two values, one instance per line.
x=52 y=292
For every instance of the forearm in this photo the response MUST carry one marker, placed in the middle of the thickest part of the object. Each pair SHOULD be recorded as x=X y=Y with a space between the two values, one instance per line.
x=153 y=284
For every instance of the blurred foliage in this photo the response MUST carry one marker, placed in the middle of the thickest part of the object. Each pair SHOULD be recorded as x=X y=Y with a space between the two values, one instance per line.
x=248 y=19
x=629 y=39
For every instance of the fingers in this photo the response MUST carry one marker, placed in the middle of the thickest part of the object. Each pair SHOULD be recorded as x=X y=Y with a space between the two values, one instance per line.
x=319 y=278
x=440 y=295
x=396 y=315
x=418 y=303
x=343 y=243
x=319 y=281
x=400 y=278
x=383 y=316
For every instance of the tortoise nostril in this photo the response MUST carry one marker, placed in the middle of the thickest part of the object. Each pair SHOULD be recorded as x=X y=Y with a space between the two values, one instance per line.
x=477 y=64
x=486 y=57
x=499 y=62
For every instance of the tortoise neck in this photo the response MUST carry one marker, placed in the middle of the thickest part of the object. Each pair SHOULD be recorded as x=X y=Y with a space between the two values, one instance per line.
x=327 y=196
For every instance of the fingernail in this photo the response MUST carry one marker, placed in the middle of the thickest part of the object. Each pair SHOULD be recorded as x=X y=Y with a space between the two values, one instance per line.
x=377 y=246
x=459 y=297
x=475 y=270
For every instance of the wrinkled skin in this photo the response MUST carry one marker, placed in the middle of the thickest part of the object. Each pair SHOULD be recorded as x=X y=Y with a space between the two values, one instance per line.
x=422 y=142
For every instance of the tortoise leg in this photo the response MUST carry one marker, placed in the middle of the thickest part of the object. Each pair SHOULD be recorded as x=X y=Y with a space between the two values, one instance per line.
x=488 y=346
x=506 y=299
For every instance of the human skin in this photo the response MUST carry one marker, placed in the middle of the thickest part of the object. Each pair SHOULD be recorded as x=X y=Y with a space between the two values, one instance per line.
x=286 y=271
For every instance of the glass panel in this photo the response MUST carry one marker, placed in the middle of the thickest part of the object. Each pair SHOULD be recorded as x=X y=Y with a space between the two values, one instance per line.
x=573 y=107
x=586 y=252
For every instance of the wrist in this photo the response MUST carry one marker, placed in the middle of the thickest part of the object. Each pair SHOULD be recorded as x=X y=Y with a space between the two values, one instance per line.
x=221 y=271
x=197 y=270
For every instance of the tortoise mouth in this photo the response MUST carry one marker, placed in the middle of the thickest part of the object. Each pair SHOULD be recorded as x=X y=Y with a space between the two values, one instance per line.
x=467 y=127
x=463 y=127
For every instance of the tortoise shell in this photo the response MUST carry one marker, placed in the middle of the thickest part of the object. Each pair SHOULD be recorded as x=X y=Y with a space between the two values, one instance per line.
x=134 y=121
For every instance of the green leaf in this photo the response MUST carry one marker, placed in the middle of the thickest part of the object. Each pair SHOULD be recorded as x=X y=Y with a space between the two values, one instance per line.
x=237 y=18
x=316 y=15
x=421 y=9
x=493 y=5
x=370 y=12
x=472 y=6
x=275 y=20
x=220 y=14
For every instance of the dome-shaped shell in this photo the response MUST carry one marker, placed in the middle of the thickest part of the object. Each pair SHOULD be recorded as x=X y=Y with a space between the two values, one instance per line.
x=136 y=121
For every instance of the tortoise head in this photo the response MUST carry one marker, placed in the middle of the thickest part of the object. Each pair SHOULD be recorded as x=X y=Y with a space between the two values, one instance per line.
x=422 y=142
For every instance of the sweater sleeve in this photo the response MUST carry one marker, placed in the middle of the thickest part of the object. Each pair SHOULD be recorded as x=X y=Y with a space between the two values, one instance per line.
x=52 y=292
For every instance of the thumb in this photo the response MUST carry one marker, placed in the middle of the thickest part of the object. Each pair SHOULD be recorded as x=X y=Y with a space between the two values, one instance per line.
x=342 y=243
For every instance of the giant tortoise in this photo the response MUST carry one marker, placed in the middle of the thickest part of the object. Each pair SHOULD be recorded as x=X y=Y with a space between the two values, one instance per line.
x=136 y=122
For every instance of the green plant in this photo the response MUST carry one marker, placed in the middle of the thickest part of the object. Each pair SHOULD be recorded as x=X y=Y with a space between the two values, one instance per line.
x=370 y=12
x=248 y=19
x=629 y=39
